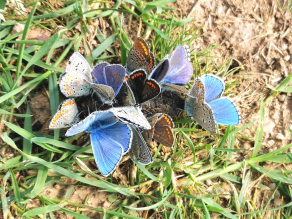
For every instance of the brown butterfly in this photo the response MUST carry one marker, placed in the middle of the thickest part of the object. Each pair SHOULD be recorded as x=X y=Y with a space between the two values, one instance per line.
x=161 y=131
x=142 y=89
x=140 y=57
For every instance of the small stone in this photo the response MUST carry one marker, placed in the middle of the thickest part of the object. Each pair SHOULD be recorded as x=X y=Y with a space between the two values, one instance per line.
x=208 y=182
x=281 y=97
x=271 y=142
x=280 y=136
x=246 y=145
x=287 y=58
x=272 y=186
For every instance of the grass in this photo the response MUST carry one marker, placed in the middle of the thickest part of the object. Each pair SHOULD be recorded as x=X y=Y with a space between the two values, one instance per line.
x=183 y=185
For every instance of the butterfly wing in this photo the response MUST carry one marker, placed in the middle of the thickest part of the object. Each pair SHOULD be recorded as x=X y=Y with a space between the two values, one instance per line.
x=115 y=76
x=130 y=94
x=136 y=61
x=148 y=134
x=121 y=133
x=163 y=130
x=140 y=57
x=98 y=73
x=94 y=120
x=104 y=92
x=66 y=115
x=71 y=82
x=164 y=120
x=164 y=135
x=197 y=108
x=131 y=115
x=161 y=70
x=214 y=86
x=107 y=153
x=225 y=111
x=78 y=64
x=136 y=82
x=180 y=69
x=150 y=90
x=174 y=87
x=139 y=148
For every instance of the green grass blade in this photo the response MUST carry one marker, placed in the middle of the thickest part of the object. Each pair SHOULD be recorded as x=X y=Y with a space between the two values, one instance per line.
x=190 y=143
x=206 y=212
x=21 y=88
x=22 y=46
x=27 y=145
x=70 y=174
x=13 y=162
x=14 y=114
x=38 y=55
x=15 y=187
x=103 y=46
x=40 y=182
x=245 y=184
x=42 y=210
x=27 y=135
x=55 y=143
x=213 y=204
x=4 y=202
x=146 y=172
x=54 y=99
x=39 y=63
x=158 y=204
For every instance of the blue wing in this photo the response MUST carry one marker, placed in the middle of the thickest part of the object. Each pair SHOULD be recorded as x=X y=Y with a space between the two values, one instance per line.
x=214 y=87
x=115 y=76
x=121 y=134
x=94 y=120
x=180 y=69
x=225 y=111
x=107 y=153
x=98 y=73
x=160 y=70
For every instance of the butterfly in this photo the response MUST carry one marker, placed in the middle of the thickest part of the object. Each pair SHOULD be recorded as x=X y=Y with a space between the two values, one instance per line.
x=161 y=130
x=175 y=70
x=72 y=81
x=107 y=81
x=131 y=114
x=110 y=138
x=66 y=115
x=140 y=57
x=139 y=148
x=208 y=107
x=141 y=88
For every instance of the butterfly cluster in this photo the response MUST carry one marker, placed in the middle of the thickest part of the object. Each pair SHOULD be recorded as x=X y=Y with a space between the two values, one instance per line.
x=119 y=130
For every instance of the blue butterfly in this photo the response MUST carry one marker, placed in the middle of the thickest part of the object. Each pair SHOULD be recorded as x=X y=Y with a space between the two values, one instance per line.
x=107 y=81
x=208 y=107
x=175 y=70
x=110 y=138
x=139 y=148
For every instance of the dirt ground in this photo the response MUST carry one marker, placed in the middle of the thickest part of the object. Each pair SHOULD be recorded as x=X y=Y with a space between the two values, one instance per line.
x=257 y=35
